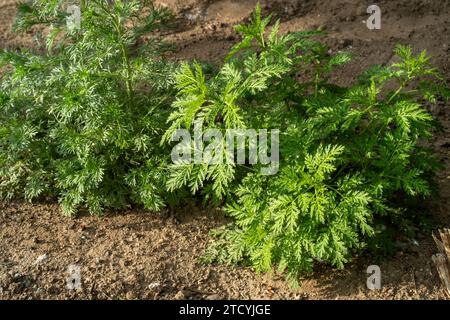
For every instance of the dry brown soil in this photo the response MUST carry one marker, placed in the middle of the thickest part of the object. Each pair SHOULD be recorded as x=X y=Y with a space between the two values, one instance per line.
x=143 y=255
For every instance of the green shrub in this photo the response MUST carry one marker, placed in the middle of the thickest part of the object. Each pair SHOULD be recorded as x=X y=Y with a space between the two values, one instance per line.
x=82 y=116
x=347 y=155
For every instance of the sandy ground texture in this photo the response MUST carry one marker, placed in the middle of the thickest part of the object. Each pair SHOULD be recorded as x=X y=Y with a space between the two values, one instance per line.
x=142 y=255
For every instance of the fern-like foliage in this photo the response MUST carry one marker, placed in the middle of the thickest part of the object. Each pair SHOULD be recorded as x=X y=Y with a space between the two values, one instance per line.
x=83 y=120
x=303 y=215
x=348 y=155
x=245 y=93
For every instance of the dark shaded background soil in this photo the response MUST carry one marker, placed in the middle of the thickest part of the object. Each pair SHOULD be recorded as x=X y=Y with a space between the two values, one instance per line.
x=139 y=254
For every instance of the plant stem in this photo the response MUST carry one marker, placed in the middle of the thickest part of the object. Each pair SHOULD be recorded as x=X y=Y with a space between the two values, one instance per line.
x=125 y=57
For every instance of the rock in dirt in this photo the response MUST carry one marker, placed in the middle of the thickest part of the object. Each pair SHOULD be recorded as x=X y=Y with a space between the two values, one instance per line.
x=41 y=258
x=154 y=285
x=180 y=295
x=130 y=295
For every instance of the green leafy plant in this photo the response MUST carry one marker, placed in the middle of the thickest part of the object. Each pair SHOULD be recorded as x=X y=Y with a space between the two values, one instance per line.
x=88 y=117
x=348 y=155
x=223 y=101
x=82 y=116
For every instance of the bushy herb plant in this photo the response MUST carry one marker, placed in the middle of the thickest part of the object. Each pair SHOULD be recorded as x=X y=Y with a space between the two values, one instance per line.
x=348 y=156
x=82 y=115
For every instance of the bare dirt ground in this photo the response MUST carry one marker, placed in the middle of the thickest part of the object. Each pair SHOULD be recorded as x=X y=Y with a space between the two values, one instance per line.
x=143 y=255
